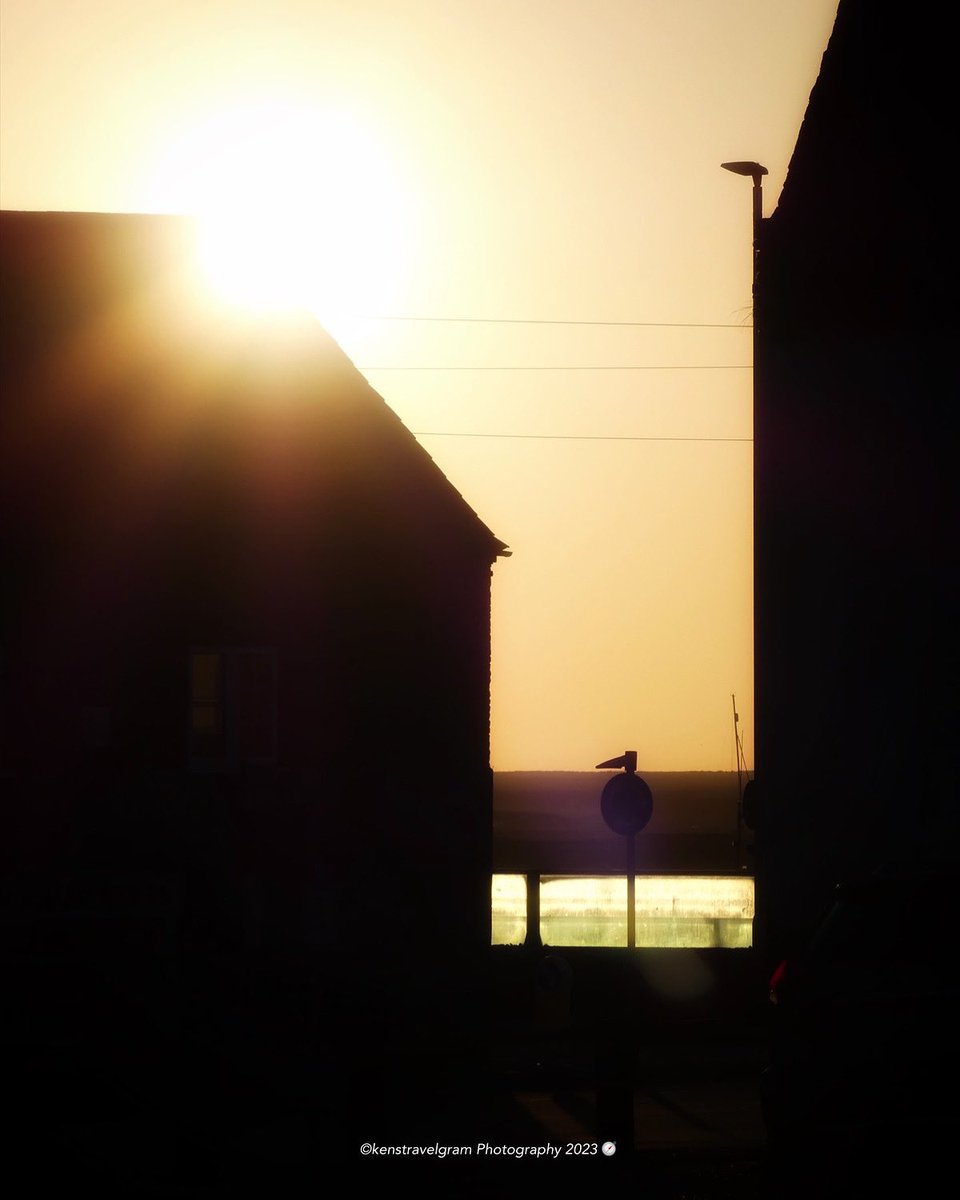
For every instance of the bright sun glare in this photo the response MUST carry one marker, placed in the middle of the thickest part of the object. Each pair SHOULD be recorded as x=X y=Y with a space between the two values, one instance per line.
x=296 y=206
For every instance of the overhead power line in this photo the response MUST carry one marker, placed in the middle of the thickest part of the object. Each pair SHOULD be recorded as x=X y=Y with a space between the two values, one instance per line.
x=575 y=437
x=628 y=367
x=550 y=321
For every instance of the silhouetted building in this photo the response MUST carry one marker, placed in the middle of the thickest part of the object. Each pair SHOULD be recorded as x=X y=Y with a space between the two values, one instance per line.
x=856 y=514
x=246 y=653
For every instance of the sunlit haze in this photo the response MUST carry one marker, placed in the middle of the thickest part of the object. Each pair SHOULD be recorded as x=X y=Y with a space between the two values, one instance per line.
x=513 y=218
x=298 y=206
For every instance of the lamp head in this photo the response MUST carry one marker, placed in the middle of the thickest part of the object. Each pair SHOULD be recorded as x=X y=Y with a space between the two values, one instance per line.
x=753 y=169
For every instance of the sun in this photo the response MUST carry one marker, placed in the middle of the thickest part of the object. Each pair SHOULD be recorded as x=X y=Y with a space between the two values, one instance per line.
x=297 y=207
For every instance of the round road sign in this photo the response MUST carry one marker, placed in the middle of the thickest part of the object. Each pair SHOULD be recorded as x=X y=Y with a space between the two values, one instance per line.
x=626 y=803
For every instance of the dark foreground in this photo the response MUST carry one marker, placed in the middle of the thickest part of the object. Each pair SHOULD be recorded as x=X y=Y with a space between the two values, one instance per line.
x=564 y=1065
x=695 y=1117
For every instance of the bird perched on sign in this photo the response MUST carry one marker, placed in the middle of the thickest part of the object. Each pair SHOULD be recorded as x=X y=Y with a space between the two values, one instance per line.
x=628 y=760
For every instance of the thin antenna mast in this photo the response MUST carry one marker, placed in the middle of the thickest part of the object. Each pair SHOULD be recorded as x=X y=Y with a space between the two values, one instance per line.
x=736 y=738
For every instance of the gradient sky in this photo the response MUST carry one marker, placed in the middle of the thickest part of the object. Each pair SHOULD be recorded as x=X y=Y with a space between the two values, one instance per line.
x=503 y=161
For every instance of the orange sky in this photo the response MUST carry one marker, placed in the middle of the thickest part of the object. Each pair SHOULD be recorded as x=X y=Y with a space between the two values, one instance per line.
x=530 y=160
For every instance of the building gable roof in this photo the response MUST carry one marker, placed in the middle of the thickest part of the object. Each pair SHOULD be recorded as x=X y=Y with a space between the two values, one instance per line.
x=104 y=334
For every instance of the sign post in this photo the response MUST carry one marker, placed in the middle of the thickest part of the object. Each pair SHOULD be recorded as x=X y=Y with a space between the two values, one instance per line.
x=626 y=803
x=631 y=890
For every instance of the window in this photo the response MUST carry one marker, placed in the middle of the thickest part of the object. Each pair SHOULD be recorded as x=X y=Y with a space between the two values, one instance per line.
x=233 y=707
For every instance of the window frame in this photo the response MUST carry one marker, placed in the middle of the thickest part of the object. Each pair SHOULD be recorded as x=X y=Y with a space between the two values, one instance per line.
x=225 y=702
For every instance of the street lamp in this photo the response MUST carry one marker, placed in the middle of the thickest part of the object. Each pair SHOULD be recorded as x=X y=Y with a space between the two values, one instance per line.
x=754 y=171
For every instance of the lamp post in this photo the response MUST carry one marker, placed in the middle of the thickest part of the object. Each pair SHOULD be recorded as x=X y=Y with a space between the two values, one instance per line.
x=756 y=172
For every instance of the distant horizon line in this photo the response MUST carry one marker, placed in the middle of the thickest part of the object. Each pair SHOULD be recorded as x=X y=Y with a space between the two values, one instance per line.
x=608 y=770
